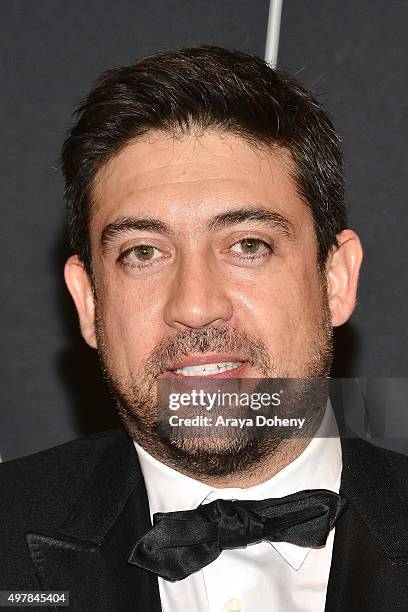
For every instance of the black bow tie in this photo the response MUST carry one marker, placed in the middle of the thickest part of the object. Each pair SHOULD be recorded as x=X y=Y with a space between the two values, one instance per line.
x=180 y=543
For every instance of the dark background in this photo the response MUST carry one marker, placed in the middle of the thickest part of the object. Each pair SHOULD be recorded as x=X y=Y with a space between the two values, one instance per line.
x=352 y=54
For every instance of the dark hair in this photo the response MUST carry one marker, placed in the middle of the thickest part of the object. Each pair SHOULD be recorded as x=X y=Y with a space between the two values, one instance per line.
x=200 y=88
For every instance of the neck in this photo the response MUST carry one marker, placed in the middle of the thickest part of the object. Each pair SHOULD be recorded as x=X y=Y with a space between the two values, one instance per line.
x=286 y=452
x=282 y=455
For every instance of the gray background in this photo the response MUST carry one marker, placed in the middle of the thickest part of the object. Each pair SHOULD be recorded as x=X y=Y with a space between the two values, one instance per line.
x=353 y=54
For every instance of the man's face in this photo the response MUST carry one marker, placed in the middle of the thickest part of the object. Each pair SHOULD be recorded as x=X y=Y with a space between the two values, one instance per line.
x=207 y=266
x=205 y=263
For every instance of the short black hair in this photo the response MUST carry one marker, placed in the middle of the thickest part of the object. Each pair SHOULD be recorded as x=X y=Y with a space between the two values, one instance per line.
x=204 y=87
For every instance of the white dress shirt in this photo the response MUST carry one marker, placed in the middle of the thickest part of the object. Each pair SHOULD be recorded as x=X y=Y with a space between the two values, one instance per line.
x=261 y=577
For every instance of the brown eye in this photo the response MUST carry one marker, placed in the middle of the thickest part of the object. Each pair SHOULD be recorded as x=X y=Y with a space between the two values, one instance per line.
x=143 y=252
x=141 y=256
x=250 y=246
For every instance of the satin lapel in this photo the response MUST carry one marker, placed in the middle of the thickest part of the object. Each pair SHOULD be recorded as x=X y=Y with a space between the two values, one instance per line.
x=87 y=554
x=369 y=569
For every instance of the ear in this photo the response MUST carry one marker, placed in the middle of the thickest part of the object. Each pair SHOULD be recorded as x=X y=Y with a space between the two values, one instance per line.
x=342 y=270
x=81 y=289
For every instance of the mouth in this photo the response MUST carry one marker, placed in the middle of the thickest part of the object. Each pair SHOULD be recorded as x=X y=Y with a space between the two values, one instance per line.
x=209 y=367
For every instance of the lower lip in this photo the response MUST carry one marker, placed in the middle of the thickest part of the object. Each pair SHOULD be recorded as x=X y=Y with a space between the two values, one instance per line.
x=235 y=373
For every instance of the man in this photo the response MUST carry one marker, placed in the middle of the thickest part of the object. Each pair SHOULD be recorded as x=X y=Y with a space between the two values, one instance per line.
x=207 y=221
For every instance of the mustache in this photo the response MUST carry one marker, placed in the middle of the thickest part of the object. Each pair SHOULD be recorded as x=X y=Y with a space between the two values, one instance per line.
x=215 y=339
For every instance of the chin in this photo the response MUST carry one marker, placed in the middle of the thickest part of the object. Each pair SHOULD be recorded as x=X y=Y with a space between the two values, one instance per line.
x=218 y=457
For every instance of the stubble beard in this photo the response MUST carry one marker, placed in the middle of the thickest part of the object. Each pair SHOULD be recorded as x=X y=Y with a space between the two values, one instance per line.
x=210 y=457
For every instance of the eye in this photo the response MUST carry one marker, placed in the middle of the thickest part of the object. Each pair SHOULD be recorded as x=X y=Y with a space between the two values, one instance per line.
x=140 y=256
x=251 y=248
x=143 y=252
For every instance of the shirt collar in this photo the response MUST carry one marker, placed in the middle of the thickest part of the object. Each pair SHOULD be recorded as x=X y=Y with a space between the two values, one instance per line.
x=317 y=467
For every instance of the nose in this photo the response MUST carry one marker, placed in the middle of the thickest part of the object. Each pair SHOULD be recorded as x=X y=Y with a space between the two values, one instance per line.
x=198 y=296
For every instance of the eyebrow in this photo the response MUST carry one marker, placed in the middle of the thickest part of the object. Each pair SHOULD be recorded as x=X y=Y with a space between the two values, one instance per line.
x=233 y=217
x=127 y=224
x=273 y=219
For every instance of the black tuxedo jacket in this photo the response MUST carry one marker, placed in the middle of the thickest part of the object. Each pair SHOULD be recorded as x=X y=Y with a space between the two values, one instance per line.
x=70 y=515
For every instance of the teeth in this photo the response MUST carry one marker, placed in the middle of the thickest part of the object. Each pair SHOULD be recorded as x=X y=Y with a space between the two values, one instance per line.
x=208 y=369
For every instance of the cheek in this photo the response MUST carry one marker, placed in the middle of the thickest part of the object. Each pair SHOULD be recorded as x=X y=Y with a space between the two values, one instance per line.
x=281 y=307
x=131 y=324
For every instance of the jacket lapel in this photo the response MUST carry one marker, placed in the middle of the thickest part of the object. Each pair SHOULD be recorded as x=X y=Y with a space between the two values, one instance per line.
x=369 y=569
x=87 y=554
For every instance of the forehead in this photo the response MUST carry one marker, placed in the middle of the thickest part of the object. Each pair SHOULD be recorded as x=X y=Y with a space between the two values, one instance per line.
x=190 y=176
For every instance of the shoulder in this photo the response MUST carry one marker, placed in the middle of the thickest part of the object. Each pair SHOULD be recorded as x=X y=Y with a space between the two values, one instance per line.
x=374 y=468
x=372 y=453
x=65 y=457
x=51 y=478
x=397 y=464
